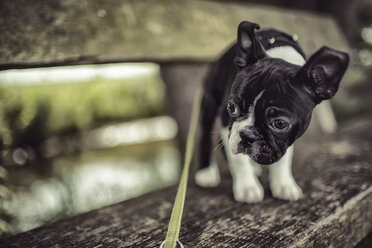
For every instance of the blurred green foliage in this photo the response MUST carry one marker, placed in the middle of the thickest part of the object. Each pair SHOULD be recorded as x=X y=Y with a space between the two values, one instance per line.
x=31 y=113
x=64 y=108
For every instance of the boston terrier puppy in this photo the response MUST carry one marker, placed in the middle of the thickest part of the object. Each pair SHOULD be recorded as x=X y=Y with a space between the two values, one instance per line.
x=264 y=92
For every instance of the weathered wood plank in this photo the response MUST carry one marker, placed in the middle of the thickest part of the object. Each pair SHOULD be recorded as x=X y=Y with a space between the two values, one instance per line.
x=334 y=172
x=55 y=32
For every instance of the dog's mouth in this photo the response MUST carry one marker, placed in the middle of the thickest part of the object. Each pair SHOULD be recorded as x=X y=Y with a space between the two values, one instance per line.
x=259 y=151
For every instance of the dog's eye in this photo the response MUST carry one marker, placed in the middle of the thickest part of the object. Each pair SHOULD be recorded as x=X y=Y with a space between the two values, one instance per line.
x=233 y=109
x=279 y=124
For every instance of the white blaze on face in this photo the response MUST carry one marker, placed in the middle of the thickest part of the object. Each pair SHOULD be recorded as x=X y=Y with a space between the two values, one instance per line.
x=239 y=126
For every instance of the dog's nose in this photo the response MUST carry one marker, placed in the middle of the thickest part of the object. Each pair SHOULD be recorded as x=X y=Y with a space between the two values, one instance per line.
x=249 y=135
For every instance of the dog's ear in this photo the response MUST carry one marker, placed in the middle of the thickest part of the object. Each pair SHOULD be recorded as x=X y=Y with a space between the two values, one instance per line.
x=248 y=48
x=323 y=72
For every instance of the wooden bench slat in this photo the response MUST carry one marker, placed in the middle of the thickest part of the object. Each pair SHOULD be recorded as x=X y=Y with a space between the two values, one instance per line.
x=40 y=33
x=334 y=172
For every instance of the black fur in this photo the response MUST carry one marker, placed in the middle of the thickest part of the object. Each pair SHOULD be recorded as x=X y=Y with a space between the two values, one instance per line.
x=290 y=92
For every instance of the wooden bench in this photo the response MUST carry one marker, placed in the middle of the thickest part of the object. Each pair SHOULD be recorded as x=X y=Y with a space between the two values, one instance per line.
x=79 y=32
x=336 y=211
x=184 y=37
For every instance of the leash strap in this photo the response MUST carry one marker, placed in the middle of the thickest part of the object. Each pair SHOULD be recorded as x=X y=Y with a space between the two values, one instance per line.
x=174 y=225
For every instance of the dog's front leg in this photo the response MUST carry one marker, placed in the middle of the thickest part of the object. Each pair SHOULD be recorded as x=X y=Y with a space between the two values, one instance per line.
x=246 y=186
x=283 y=185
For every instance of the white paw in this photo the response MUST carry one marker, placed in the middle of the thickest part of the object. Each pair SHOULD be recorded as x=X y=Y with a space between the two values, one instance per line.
x=250 y=191
x=286 y=190
x=208 y=177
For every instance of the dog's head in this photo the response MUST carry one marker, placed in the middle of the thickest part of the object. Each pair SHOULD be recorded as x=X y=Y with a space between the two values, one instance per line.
x=271 y=100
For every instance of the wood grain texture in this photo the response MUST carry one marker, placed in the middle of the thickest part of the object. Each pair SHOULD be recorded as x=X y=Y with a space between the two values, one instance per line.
x=335 y=173
x=68 y=32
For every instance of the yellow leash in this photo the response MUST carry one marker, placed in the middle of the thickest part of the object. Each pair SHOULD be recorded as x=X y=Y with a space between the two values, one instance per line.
x=174 y=225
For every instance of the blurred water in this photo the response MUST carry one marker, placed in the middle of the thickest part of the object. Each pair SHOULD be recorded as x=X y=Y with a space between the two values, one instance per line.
x=86 y=181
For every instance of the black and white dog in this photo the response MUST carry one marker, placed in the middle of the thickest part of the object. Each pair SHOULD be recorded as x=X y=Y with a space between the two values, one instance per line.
x=265 y=92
